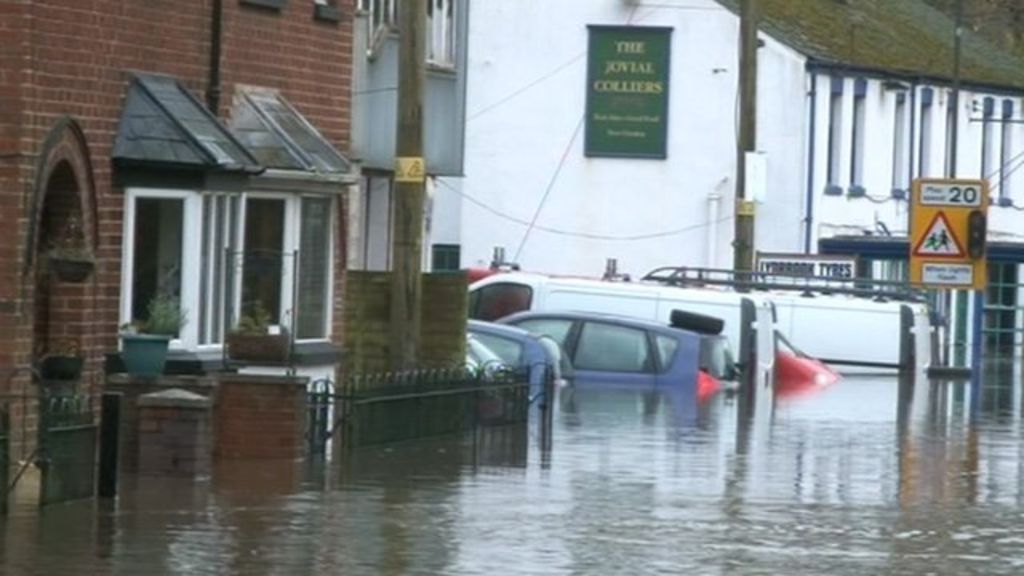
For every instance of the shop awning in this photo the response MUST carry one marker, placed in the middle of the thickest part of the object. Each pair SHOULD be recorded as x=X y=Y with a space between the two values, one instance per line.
x=163 y=126
x=898 y=248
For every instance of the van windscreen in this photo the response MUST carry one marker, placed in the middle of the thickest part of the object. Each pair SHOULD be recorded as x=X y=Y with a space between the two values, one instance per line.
x=496 y=301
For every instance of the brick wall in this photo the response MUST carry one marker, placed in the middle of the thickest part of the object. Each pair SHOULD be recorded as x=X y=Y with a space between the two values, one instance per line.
x=69 y=58
x=367 y=312
x=260 y=417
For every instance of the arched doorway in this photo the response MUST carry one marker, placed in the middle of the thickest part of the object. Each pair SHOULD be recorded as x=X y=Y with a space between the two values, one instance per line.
x=61 y=259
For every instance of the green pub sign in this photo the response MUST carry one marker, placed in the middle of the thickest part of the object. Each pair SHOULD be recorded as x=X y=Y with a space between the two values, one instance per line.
x=627 y=91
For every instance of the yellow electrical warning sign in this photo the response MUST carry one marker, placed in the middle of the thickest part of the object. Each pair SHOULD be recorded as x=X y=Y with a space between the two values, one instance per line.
x=410 y=170
x=947 y=234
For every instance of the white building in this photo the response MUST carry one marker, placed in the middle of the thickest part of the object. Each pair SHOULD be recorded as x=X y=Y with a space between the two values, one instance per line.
x=853 y=103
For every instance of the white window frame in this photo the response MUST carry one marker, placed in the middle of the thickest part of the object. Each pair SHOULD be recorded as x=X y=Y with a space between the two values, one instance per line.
x=290 y=254
x=835 y=136
x=191 y=220
x=378 y=25
x=926 y=140
x=332 y=230
x=900 y=139
x=442 y=39
x=1006 y=148
x=858 y=144
x=191 y=258
x=236 y=241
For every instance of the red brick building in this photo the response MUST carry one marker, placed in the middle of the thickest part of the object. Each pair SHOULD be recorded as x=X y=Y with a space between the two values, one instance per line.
x=108 y=143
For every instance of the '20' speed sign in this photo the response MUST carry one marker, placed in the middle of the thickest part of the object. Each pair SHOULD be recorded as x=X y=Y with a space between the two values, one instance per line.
x=936 y=194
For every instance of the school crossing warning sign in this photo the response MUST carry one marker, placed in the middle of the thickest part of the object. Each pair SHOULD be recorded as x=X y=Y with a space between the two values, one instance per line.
x=939 y=240
x=947 y=244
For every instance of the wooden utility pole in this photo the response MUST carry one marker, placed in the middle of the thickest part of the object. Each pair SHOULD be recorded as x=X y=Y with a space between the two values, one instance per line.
x=407 y=233
x=743 y=243
x=954 y=132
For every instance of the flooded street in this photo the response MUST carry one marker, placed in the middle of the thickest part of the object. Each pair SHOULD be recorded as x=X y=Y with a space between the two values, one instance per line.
x=860 y=478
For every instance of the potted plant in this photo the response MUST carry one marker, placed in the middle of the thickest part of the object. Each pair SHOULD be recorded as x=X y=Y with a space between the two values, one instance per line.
x=144 y=343
x=252 y=340
x=63 y=363
x=68 y=256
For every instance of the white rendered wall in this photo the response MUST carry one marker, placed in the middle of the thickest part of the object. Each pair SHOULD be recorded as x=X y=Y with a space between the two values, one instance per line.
x=836 y=215
x=526 y=98
x=527 y=87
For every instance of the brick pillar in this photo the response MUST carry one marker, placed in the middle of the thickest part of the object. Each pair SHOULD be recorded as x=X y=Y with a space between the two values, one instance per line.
x=174 y=434
x=132 y=388
x=260 y=417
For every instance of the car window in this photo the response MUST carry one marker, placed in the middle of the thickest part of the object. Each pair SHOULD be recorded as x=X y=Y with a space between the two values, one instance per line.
x=610 y=348
x=716 y=356
x=554 y=328
x=479 y=353
x=510 y=351
x=667 y=347
x=496 y=301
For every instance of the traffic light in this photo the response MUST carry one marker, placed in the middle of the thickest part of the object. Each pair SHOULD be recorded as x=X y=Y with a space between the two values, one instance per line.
x=976 y=231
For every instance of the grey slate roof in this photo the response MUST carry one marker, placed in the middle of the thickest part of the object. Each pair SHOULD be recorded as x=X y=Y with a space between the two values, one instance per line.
x=906 y=37
x=162 y=124
x=279 y=137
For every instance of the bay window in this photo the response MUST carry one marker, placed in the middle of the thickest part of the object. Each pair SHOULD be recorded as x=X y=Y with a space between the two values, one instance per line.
x=225 y=255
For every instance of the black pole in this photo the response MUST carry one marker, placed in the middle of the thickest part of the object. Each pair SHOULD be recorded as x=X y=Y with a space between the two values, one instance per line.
x=213 y=88
x=110 y=423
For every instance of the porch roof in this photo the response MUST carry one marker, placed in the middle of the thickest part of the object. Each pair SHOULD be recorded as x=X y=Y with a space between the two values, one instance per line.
x=280 y=137
x=163 y=125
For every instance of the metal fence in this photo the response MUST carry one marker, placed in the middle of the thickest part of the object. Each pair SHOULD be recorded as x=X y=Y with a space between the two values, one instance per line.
x=370 y=409
x=67 y=448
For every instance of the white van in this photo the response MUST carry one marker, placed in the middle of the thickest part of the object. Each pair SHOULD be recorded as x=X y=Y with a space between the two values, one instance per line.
x=856 y=333
x=842 y=330
x=744 y=315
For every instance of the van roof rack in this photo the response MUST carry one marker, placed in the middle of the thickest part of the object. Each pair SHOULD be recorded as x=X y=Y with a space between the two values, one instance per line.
x=687 y=276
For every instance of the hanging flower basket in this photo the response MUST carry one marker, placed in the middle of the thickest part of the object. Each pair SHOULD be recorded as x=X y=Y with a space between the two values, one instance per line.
x=71 y=269
x=61 y=367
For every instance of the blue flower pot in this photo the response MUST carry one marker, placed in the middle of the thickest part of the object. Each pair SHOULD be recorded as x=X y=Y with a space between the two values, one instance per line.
x=144 y=354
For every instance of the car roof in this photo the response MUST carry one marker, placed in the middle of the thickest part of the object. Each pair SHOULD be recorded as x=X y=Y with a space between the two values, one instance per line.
x=499 y=329
x=616 y=319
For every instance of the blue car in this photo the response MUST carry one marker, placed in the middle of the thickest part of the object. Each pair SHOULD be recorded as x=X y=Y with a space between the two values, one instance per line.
x=536 y=354
x=618 y=352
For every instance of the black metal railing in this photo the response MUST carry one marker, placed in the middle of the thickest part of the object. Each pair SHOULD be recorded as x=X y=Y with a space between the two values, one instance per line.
x=379 y=408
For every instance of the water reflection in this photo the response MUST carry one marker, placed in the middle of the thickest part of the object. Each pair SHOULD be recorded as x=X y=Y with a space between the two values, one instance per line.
x=869 y=476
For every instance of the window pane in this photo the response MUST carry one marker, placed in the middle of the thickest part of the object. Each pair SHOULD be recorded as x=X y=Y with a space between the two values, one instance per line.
x=499 y=300
x=557 y=330
x=445 y=257
x=262 y=269
x=218 y=238
x=510 y=351
x=314 y=268
x=612 y=348
x=204 y=271
x=156 y=266
x=666 y=350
